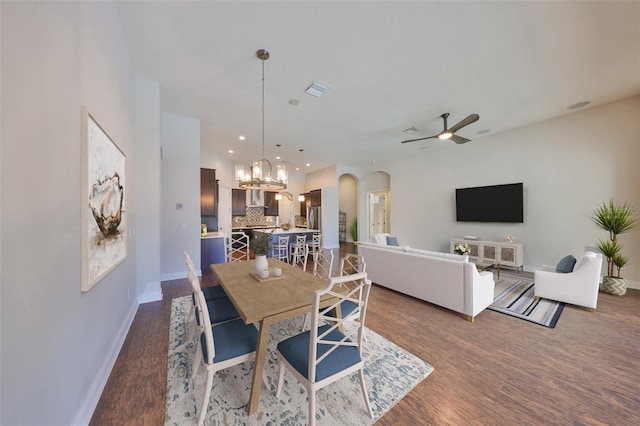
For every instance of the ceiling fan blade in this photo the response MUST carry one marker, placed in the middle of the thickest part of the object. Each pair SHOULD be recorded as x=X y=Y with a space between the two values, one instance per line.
x=419 y=139
x=459 y=139
x=471 y=118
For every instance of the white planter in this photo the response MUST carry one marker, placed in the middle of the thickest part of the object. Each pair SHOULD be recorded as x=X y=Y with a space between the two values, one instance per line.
x=260 y=264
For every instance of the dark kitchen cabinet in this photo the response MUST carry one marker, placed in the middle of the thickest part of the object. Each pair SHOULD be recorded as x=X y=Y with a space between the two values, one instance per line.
x=208 y=193
x=272 y=206
x=316 y=198
x=238 y=202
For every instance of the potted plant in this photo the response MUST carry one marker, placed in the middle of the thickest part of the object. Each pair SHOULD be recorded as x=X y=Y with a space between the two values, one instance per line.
x=260 y=246
x=354 y=231
x=615 y=218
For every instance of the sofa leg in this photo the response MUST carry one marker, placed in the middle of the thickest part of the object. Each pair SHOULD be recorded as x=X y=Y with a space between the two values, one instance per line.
x=592 y=310
x=469 y=318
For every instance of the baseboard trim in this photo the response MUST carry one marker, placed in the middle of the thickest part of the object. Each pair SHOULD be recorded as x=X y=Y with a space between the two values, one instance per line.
x=177 y=275
x=88 y=406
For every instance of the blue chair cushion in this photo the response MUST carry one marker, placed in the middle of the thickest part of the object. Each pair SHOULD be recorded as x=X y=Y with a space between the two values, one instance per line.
x=566 y=264
x=221 y=310
x=230 y=340
x=392 y=241
x=296 y=351
x=346 y=307
x=215 y=292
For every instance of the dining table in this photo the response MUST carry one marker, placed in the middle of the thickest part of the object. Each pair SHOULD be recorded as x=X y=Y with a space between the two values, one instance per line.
x=267 y=301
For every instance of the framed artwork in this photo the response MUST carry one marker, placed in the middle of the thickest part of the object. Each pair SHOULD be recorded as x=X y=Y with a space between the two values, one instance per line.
x=104 y=224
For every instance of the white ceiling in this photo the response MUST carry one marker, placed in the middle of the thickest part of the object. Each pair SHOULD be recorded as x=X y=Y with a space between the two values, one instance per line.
x=390 y=65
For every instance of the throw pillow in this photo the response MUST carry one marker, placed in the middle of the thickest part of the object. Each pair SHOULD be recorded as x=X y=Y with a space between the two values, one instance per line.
x=566 y=264
x=392 y=241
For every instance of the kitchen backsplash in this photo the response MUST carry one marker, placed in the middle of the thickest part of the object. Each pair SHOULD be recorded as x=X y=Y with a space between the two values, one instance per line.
x=255 y=217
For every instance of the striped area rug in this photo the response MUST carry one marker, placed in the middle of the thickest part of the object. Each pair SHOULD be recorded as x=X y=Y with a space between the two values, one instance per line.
x=515 y=297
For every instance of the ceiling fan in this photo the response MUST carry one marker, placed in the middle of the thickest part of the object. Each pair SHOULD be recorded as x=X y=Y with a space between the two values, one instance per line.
x=450 y=133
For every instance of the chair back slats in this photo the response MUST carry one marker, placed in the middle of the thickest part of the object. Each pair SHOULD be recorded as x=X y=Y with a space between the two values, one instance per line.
x=358 y=293
x=238 y=247
x=323 y=263
x=205 y=326
x=189 y=262
x=352 y=264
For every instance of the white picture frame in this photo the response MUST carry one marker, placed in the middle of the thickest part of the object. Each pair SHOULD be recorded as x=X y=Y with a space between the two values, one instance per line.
x=103 y=212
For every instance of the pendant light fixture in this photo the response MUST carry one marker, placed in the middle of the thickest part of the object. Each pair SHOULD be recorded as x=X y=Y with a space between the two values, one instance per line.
x=259 y=175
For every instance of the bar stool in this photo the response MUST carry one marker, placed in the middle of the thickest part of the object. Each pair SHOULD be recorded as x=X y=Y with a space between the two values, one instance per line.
x=298 y=250
x=281 y=249
x=315 y=244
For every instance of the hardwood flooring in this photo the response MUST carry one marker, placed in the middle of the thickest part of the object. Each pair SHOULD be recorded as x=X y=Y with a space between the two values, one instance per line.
x=496 y=371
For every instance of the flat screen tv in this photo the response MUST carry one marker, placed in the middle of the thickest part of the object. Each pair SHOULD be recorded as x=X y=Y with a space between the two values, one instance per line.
x=495 y=203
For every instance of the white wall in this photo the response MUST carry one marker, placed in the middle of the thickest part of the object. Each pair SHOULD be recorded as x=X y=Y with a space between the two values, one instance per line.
x=321 y=179
x=58 y=344
x=568 y=166
x=148 y=189
x=348 y=200
x=180 y=185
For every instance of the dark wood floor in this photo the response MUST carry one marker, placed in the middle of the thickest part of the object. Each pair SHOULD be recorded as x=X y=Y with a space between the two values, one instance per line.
x=497 y=370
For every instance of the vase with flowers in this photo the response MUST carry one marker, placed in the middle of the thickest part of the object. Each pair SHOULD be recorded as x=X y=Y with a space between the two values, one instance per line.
x=461 y=249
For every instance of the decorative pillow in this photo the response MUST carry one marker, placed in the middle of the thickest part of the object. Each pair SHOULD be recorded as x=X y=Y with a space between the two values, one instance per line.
x=566 y=264
x=392 y=241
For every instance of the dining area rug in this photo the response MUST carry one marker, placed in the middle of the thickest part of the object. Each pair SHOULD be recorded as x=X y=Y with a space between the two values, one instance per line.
x=514 y=296
x=390 y=373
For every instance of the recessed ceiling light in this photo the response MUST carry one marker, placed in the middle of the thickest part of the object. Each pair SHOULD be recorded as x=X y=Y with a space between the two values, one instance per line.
x=317 y=89
x=297 y=168
x=277 y=157
x=579 y=105
x=241 y=138
x=293 y=102
x=373 y=161
x=483 y=132
x=308 y=164
x=230 y=151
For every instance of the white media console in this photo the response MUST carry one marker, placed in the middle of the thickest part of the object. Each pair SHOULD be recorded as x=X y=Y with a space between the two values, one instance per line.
x=493 y=252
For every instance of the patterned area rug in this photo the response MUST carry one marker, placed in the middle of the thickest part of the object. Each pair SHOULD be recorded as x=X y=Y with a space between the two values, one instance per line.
x=390 y=373
x=515 y=297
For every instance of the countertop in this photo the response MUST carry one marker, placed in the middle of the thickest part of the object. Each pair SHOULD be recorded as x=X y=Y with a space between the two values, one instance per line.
x=214 y=235
x=290 y=231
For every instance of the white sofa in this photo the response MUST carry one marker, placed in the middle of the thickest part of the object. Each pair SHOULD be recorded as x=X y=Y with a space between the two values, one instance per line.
x=446 y=280
x=579 y=287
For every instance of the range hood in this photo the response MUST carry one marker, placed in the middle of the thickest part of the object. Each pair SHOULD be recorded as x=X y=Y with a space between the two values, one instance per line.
x=256 y=199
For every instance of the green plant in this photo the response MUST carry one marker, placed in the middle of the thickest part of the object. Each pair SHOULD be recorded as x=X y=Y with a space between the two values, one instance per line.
x=616 y=219
x=260 y=243
x=354 y=230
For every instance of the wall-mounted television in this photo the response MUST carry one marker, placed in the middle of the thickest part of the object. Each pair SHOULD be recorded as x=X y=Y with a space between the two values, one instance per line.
x=495 y=203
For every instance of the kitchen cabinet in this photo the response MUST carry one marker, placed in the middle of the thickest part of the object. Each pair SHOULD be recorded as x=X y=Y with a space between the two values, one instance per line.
x=238 y=202
x=272 y=206
x=209 y=188
x=316 y=198
x=212 y=250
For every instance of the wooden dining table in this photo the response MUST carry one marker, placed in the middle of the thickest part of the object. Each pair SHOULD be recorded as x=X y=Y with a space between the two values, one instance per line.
x=268 y=302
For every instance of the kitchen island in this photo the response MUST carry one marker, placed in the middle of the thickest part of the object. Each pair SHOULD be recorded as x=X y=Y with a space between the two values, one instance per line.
x=292 y=233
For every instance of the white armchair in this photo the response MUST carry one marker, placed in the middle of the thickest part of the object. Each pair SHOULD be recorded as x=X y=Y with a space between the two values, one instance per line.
x=579 y=287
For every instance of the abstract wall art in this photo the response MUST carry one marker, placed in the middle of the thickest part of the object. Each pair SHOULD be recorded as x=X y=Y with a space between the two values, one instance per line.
x=104 y=224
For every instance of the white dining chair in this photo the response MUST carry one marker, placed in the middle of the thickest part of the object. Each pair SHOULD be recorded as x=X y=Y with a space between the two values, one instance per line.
x=222 y=346
x=324 y=354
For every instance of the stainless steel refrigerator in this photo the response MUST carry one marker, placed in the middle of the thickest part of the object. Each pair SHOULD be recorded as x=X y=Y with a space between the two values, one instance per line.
x=314 y=218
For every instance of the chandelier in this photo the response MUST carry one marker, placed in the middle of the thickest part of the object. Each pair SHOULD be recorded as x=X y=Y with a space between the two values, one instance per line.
x=259 y=175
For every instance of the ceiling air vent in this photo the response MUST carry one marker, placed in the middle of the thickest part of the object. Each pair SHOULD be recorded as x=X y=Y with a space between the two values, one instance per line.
x=317 y=89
